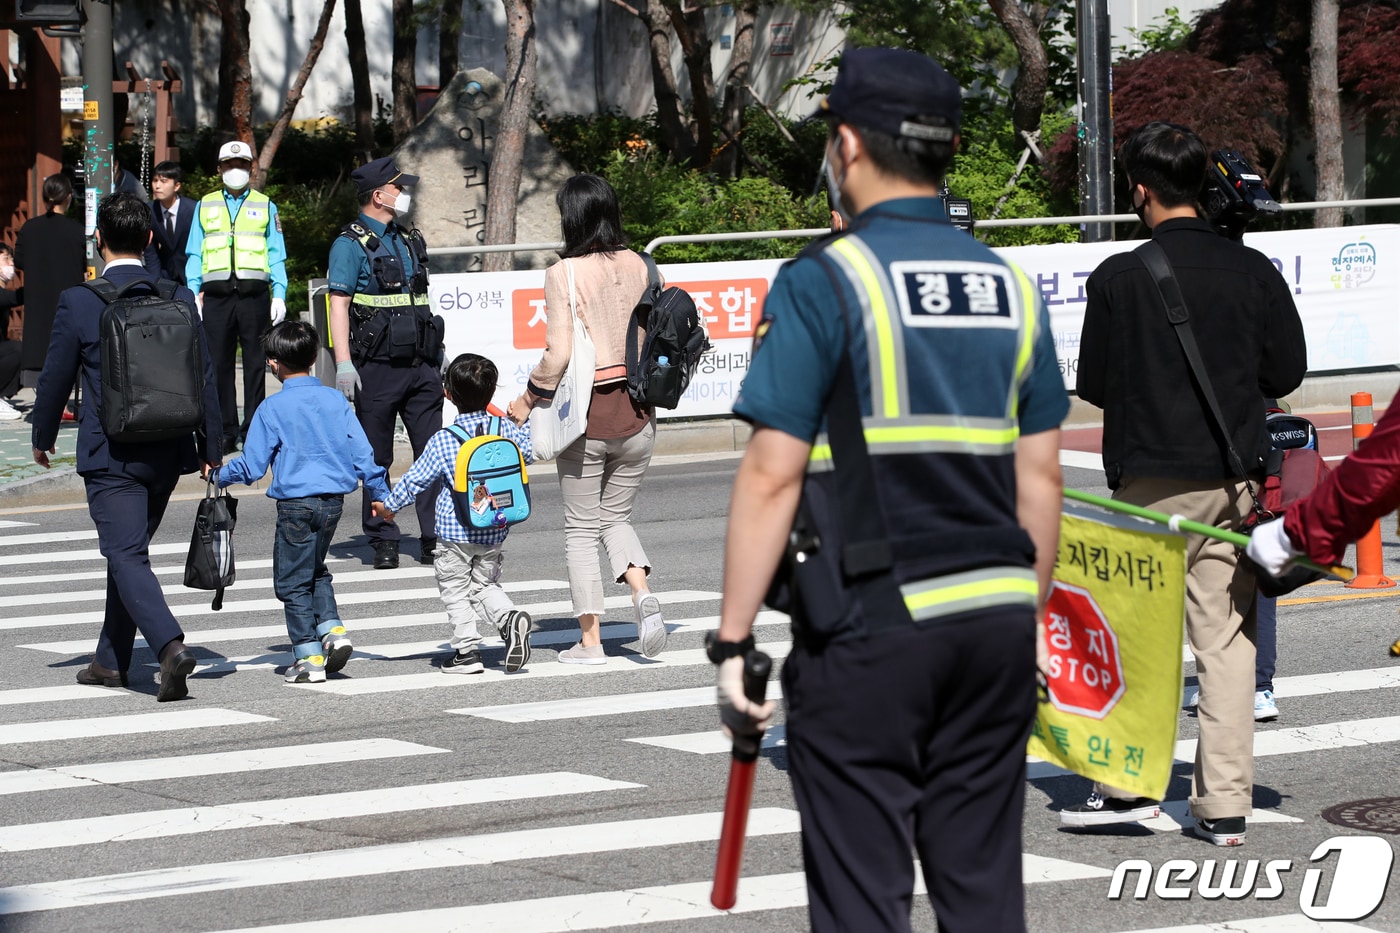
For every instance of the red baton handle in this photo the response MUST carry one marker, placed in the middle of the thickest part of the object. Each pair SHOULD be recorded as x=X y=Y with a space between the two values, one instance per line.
x=757 y=667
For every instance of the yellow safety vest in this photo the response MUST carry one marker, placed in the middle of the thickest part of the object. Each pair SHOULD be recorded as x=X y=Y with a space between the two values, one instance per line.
x=235 y=246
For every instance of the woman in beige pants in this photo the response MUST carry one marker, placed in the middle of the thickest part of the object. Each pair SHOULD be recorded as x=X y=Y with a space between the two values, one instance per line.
x=600 y=473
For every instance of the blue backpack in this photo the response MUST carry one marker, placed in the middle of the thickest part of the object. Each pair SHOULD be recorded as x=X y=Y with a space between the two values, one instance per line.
x=490 y=486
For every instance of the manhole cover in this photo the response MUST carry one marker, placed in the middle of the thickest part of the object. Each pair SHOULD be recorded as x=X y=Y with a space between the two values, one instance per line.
x=1377 y=815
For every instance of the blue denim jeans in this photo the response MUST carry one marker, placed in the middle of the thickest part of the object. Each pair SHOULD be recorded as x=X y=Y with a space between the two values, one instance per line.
x=1266 y=643
x=300 y=579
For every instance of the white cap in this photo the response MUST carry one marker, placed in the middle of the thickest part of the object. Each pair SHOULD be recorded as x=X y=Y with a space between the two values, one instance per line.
x=237 y=149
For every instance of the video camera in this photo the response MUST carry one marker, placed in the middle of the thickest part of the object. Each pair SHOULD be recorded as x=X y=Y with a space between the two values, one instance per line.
x=959 y=210
x=1234 y=195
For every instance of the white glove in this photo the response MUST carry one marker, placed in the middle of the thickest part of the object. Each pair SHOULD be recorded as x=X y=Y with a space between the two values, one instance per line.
x=279 y=311
x=1270 y=548
x=738 y=715
x=199 y=304
x=347 y=380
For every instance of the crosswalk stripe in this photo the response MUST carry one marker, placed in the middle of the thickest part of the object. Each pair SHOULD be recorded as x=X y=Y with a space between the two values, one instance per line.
x=21 y=580
x=7 y=523
x=609 y=910
x=48 y=537
x=588 y=707
x=30 y=695
x=1288 y=923
x=347 y=599
x=1306 y=685
x=135 y=724
x=204 y=639
x=189 y=821
x=391 y=858
x=205 y=765
x=73 y=557
x=627 y=663
x=710 y=742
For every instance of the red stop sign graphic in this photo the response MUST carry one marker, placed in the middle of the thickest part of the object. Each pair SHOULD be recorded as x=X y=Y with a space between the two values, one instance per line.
x=1085 y=669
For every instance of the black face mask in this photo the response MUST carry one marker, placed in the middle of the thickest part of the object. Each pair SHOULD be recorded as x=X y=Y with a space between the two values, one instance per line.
x=1138 y=208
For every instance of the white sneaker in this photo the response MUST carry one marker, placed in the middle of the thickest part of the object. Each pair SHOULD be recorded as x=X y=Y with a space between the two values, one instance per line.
x=9 y=412
x=1265 y=709
x=651 y=627
x=1195 y=700
x=578 y=654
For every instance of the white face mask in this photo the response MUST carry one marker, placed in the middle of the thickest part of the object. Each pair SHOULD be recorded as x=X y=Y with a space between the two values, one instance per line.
x=402 y=203
x=7 y=272
x=236 y=179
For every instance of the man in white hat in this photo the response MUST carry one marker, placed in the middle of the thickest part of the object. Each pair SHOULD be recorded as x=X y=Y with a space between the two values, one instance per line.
x=236 y=264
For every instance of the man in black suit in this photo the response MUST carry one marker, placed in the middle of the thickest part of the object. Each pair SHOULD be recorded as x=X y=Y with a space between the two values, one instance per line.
x=128 y=484
x=171 y=216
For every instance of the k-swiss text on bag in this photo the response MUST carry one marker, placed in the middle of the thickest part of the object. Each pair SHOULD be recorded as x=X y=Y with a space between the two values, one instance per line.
x=660 y=364
x=152 y=362
x=490 y=485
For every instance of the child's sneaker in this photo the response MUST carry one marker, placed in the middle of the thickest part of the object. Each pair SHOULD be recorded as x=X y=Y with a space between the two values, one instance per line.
x=338 y=648
x=466 y=661
x=1265 y=709
x=310 y=670
x=651 y=628
x=516 y=632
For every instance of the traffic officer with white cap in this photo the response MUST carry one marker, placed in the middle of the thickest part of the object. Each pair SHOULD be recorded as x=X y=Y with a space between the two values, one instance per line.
x=386 y=340
x=903 y=480
x=236 y=264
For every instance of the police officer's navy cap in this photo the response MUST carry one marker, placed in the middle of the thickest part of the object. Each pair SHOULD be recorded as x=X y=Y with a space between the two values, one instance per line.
x=378 y=173
x=897 y=92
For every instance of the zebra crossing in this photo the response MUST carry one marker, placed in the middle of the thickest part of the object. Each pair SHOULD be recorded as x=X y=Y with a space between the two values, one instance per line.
x=394 y=797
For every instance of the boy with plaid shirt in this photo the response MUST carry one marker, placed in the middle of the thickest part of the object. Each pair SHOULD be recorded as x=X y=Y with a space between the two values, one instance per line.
x=468 y=560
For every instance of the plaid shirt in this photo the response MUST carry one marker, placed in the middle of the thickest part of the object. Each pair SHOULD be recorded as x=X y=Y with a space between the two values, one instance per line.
x=439 y=461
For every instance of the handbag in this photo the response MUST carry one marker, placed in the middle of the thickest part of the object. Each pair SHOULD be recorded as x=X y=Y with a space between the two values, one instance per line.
x=1303 y=472
x=558 y=422
x=209 y=565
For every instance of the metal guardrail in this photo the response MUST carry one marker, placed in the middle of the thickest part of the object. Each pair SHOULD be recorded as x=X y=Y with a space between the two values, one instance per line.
x=819 y=231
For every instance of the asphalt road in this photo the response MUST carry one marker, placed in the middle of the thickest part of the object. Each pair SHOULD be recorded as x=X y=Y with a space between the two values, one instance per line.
x=395 y=795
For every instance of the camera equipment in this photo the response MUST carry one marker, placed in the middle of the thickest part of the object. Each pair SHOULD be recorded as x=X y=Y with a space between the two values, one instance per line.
x=1234 y=194
x=959 y=209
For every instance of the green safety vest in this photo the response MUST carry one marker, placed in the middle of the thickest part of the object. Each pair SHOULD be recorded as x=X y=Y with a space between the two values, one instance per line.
x=235 y=247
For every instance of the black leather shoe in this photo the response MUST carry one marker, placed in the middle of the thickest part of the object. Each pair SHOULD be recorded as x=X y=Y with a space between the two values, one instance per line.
x=427 y=551
x=95 y=675
x=386 y=555
x=176 y=663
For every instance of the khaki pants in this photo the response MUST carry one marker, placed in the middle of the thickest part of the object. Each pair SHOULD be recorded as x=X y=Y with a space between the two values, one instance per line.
x=469 y=579
x=1220 y=628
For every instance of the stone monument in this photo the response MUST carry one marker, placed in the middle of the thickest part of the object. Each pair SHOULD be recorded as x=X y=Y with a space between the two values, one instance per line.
x=451 y=150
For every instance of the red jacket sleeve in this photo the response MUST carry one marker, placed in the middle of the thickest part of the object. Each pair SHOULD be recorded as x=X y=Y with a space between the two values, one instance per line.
x=1363 y=487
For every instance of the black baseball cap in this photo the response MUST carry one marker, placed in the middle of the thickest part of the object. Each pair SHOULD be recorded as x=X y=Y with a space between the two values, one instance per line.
x=378 y=173
x=897 y=92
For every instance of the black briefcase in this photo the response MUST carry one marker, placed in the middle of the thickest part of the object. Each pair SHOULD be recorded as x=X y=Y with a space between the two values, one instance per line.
x=209 y=565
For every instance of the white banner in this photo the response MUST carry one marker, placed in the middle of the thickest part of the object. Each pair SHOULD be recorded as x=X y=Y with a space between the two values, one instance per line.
x=1345 y=281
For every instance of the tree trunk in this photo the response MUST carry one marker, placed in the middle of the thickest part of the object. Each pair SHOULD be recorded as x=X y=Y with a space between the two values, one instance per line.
x=363 y=99
x=405 y=78
x=508 y=155
x=1326 y=111
x=289 y=106
x=235 y=104
x=740 y=64
x=449 y=40
x=1033 y=75
x=695 y=50
x=676 y=140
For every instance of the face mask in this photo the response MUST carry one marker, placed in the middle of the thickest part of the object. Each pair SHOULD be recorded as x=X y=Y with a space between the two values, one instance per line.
x=1139 y=205
x=236 y=179
x=7 y=272
x=402 y=203
x=833 y=190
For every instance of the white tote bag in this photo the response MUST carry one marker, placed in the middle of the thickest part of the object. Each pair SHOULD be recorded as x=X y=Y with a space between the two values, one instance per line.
x=559 y=422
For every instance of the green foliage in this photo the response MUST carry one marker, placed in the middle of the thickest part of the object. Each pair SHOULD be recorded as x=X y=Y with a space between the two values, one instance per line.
x=311 y=216
x=588 y=143
x=660 y=198
x=983 y=168
x=793 y=165
x=1168 y=33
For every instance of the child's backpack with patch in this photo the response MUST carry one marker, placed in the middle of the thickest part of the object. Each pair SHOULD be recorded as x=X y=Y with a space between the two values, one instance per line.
x=490 y=485
x=659 y=367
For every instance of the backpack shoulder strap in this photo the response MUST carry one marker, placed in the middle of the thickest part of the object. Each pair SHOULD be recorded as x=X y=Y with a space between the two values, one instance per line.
x=632 y=356
x=653 y=273
x=103 y=288
x=166 y=289
x=459 y=432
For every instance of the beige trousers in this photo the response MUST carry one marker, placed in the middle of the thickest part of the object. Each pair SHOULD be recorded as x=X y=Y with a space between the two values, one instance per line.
x=469 y=579
x=599 y=480
x=1220 y=629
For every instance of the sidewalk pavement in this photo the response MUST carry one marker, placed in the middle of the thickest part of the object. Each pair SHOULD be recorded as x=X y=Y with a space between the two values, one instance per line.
x=24 y=483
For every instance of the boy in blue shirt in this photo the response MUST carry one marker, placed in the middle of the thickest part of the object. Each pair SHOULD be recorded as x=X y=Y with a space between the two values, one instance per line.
x=310 y=435
x=467 y=562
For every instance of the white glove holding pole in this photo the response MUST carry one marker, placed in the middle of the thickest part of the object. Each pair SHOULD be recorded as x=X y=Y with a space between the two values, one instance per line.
x=1270 y=548
x=347 y=380
x=279 y=311
x=737 y=713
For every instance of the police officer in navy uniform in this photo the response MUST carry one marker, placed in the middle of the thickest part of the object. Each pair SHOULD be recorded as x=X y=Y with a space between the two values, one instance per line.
x=901 y=493
x=386 y=340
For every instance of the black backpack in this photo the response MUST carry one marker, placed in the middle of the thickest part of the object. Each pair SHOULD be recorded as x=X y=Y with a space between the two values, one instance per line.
x=152 y=362
x=659 y=367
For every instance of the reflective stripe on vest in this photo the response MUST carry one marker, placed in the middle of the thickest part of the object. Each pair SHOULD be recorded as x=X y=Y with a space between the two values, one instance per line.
x=975 y=589
x=390 y=301
x=927 y=434
x=235 y=246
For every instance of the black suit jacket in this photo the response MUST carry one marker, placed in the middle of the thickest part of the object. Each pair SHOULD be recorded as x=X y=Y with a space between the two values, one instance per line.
x=74 y=349
x=171 y=250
